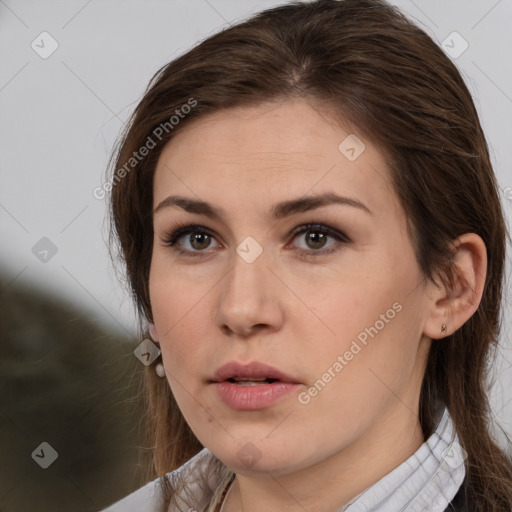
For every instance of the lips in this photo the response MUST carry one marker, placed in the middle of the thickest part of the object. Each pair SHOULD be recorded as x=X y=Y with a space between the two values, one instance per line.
x=252 y=372
x=252 y=387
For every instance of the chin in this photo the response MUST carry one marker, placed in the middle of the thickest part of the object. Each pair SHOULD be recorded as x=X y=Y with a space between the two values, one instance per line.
x=255 y=455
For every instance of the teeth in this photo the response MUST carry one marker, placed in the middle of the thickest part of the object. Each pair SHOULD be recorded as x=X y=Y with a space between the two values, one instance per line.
x=248 y=379
x=251 y=382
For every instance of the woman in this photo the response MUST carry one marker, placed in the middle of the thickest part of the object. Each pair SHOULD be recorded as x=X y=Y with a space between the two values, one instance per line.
x=312 y=232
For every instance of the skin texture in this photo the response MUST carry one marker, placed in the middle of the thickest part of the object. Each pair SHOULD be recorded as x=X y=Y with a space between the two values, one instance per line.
x=295 y=310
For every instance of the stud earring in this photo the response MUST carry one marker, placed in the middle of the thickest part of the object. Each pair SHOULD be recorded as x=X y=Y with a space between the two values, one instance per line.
x=160 y=370
x=443 y=329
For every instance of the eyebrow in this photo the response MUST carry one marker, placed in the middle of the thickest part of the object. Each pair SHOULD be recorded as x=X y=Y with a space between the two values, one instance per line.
x=278 y=211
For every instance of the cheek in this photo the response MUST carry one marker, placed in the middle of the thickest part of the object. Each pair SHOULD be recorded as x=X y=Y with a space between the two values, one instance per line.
x=184 y=354
x=178 y=311
x=349 y=306
x=352 y=383
x=370 y=333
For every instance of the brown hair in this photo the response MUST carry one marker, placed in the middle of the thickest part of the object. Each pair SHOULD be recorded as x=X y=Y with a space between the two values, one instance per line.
x=388 y=78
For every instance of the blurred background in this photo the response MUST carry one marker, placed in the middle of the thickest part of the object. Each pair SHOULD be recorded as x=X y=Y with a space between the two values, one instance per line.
x=71 y=72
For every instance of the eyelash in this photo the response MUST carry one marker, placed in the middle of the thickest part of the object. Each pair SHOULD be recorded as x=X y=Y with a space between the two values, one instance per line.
x=183 y=229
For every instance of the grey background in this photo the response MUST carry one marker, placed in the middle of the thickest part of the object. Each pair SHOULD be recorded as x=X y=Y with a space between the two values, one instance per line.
x=60 y=117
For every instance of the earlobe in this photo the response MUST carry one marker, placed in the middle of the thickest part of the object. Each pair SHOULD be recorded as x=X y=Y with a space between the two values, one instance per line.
x=452 y=306
x=153 y=332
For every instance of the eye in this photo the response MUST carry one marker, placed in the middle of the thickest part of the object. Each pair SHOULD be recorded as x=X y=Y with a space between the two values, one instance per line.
x=315 y=238
x=189 y=239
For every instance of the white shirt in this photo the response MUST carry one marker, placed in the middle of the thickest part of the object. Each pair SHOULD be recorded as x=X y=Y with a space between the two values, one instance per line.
x=426 y=482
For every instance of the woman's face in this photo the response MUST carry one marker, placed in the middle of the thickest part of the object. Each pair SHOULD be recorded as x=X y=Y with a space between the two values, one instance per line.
x=338 y=307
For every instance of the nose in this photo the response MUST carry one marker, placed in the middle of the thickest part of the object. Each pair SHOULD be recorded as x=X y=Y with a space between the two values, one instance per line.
x=249 y=300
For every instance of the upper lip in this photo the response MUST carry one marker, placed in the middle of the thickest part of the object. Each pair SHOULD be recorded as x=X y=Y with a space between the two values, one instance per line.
x=253 y=370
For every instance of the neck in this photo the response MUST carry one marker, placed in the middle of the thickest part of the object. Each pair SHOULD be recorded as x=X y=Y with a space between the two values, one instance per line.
x=336 y=480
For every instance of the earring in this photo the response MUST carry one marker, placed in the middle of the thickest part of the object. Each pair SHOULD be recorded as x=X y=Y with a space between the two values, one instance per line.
x=160 y=370
x=443 y=329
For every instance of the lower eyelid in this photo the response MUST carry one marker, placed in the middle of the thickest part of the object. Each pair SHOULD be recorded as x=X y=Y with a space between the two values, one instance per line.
x=304 y=253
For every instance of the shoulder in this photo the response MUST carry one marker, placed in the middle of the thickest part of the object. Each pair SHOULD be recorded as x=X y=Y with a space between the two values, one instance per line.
x=149 y=497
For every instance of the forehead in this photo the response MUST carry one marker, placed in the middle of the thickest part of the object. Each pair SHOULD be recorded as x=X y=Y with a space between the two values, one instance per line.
x=272 y=150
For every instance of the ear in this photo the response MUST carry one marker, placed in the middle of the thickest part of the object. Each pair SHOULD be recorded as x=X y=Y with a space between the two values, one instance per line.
x=153 y=332
x=455 y=305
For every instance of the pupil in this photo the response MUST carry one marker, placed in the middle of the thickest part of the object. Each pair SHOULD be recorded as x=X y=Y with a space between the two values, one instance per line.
x=200 y=240
x=316 y=240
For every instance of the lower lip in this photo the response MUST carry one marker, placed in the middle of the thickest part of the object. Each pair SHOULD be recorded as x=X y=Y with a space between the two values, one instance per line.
x=252 y=398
